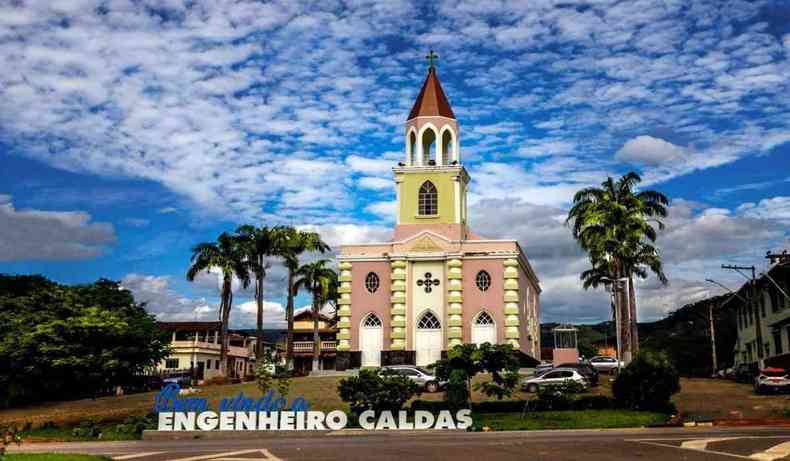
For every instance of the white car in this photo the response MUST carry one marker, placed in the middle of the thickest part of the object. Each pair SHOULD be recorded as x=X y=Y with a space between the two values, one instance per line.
x=603 y=363
x=553 y=378
x=772 y=380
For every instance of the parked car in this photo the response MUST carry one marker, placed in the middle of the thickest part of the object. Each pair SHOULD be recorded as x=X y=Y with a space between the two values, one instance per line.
x=603 y=363
x=419 y=375
x=772 y=380
x=554 y=377
x=746 y=372
x=543 y=367
x=586 y=370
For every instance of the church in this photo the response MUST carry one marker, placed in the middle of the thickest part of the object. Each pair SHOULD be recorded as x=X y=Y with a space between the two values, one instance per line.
x=435 y=284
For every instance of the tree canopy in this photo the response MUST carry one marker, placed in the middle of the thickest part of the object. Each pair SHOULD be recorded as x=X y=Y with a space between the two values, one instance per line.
x=63 y=342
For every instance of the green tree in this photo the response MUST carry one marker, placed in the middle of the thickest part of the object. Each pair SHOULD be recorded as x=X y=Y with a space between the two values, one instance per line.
x=378 y=390
x=647 y=383
x=321 y=282
x=258 y=243
x=617 y=227
x=290 y=243
x=226 y=254
x=43 y=351
x=498 y=360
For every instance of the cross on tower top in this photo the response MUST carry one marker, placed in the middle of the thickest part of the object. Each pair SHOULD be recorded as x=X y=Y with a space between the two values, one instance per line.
x=431 y=57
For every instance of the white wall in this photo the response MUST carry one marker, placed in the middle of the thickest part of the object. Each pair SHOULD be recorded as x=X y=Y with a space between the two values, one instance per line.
x=421 y=300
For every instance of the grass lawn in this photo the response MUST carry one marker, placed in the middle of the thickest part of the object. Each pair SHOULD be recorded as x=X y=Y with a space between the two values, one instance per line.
x=587 y=419
x=698 y=399
x=52 y=457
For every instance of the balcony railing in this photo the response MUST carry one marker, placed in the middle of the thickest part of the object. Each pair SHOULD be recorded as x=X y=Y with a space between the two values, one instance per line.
x=307 y=346
x=232 y=350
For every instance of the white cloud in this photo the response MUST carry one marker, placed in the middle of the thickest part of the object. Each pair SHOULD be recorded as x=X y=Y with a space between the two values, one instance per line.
x=386 y=210
x=370 y=166
x=246 y=315
x=774 y=208
x=369 y=182
x=50 y=235
x=163 y=301
x=648 y=150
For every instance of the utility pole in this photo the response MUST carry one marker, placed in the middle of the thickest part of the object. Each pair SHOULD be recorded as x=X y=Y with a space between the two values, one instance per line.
x=754 y=306
x=712 y=338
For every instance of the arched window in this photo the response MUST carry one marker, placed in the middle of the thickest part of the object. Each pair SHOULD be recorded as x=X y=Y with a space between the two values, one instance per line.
x=483 y=280
x=447 y=147
x=428 y=201
x=372 y=282
x=484 y=319
x=372 y=321
x=428 y=147
x=428 y=321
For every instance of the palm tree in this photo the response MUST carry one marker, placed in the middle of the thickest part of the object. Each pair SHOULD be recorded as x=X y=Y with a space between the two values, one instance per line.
x=258 y=243
x=290 y=243
x=226 y=254
x=616 y=226
x=321 y=282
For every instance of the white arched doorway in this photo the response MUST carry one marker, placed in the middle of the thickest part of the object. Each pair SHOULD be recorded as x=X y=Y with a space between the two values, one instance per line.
x=428 y=339
x=484 y=329
x=371 y=338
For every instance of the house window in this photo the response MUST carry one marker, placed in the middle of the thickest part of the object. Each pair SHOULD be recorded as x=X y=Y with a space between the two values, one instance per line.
x=428 y=200
x=483 y=280
x=778 y=341
x=171 y=363
x=372 y=282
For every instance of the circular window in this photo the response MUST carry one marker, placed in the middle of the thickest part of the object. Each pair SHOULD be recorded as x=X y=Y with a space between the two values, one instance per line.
x=483 y=280
x=372 y=282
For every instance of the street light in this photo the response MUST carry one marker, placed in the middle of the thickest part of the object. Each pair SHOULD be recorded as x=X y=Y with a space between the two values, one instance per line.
x=710 y=320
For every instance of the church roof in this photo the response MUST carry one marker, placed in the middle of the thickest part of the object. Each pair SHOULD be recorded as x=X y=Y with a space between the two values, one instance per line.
x=431 y=101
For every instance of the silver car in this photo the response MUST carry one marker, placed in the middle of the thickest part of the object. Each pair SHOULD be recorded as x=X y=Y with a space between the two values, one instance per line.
x=604 y=364
x=555 y=377
x=419 y=375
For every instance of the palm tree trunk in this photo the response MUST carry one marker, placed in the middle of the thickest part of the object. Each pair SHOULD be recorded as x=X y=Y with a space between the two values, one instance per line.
x=625 y=318
x=632 y=313
x=289 y=314
x=259 y=325
x=316 y=336
x=223 y=329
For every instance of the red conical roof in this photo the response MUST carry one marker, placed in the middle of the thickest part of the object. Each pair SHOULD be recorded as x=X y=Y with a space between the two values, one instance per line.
x=431 y=101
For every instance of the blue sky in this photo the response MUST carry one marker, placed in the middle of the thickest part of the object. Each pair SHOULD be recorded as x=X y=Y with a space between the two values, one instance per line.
x=130 y=131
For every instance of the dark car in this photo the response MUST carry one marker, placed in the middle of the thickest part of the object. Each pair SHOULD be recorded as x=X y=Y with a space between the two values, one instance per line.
x=585 y=369
x=746 y=372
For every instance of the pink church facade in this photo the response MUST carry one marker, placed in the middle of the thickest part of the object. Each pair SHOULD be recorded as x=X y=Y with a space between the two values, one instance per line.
x=436 y=284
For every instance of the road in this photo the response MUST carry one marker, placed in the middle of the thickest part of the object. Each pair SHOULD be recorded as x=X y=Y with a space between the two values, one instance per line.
x=713 y=443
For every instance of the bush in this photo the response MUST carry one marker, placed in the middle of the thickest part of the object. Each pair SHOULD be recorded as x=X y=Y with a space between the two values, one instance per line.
x=594 y=402
x=647 y=383
x=135 y=425
x=87 y=429
x=433 y=406
x=499 y=406
x=377 y=390
x=457 y=395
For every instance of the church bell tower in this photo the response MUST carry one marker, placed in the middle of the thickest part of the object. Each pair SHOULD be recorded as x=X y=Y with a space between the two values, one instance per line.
x=431 y=182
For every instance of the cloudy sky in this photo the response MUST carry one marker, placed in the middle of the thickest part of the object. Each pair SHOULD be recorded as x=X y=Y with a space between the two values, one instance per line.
x=131 y=130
